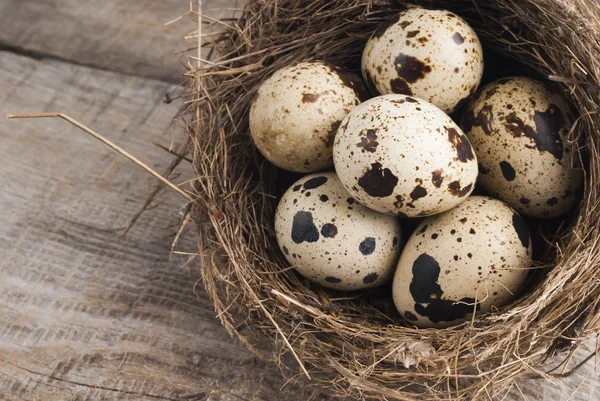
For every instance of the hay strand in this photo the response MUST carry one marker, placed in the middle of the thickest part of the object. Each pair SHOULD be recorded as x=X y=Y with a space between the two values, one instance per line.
x=108 y=143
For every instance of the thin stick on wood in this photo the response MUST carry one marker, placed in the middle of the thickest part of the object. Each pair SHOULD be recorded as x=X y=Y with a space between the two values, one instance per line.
x=107 y=143
x=166 y=149
x=199 y=64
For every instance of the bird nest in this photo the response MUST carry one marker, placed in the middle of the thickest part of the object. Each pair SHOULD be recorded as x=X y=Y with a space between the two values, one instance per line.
x=353 y=343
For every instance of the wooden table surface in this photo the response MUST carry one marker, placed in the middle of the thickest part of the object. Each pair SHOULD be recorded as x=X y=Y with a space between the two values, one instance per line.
x=86 y=314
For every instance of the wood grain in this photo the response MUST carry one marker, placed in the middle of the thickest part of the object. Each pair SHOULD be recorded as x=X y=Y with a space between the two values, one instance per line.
x=85 y=313
x=116 y=35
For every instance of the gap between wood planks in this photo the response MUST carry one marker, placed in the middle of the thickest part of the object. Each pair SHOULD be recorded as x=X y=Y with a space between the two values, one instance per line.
x=37 y=55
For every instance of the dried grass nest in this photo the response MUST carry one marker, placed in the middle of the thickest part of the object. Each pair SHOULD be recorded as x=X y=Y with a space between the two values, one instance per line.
x=355 y=344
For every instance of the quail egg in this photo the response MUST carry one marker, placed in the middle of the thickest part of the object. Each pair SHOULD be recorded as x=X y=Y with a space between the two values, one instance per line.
x=518 y=128
x=333 y=240
x=471 y=259
x=402 y=155
x=431 y=54
x=296 y=112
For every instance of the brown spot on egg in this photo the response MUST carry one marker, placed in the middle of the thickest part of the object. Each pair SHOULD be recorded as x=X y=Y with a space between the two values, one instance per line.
x=330 y=139
x=303 y=228
x=315 y=182
x=399 y=85
x=552 y=201
x=286 y=250
x=329 y=230
x=370 y=278
x=351 y=80
x=367 y=246
x=410 y=316
x=380 y=31
x=421 y=230
x=324 y=198
x=461 y=144
x=458 y=38
x=418 y=192
x=412 y=34
x=524 y=200
x=344 y=127
x=491 y=92
x=455 y=189
x=549 y=124
x=399 y=203
x=410 y=68
x=333 y=280
x=437 y=177
x=310 y=97
x=507 y=171
x=517 y=127
x=483 y=119
x=404 y=24
x=378 y=181
x=427 y=293
x=368 y=141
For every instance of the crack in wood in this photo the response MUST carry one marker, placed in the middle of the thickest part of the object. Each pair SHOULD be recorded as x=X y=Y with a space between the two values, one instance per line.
x=40 y=56
x=91 y=386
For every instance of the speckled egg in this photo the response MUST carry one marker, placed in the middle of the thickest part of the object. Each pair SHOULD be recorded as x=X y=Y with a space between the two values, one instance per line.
x=473 y=258
x=296 y=112
x=401 y=155
x=518 y=129
x=431 y=54
x=331 y=239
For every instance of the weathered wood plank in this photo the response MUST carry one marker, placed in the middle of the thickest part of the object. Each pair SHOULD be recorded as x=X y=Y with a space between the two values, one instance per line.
x=116 y=35
x=85 y=313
